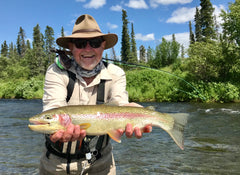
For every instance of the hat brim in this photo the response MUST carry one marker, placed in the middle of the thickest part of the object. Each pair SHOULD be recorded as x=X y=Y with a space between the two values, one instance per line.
x=110 y=38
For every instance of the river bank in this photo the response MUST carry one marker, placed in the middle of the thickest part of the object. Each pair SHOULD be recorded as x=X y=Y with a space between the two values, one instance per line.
x=143 y=86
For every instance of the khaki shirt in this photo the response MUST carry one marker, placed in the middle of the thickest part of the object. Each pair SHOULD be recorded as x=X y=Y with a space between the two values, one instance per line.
x=55 y=93
x=56 y=81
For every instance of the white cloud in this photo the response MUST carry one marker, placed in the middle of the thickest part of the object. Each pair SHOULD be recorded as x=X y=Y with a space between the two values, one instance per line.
x=217 y=12
x=182 y=38
x=156 y=3
x=137 y=4
x=112 y=26
x=116 y=8
x=182 y=15
x=95 y=4
x=148 y=37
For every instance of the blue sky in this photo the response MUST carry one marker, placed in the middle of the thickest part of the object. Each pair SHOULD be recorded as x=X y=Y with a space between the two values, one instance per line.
x=152 y=19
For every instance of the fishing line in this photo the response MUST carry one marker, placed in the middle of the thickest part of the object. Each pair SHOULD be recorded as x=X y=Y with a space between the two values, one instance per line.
x=162 y=71
x=63 y=62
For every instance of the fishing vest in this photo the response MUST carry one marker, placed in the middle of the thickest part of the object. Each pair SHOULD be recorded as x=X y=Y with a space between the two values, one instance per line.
x=91 y=146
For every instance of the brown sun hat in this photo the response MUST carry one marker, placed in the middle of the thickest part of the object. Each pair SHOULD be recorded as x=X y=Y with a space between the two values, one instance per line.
x=87 y=27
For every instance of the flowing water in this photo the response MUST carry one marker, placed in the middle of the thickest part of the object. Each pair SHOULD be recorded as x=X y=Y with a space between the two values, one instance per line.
x=212 y=142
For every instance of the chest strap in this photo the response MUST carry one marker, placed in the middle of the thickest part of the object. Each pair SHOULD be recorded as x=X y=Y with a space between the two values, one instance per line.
x=57 y=148
x=70 y=86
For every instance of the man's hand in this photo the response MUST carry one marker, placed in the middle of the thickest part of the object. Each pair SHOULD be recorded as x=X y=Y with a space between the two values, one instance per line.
x=72 y=133
x=129 y=130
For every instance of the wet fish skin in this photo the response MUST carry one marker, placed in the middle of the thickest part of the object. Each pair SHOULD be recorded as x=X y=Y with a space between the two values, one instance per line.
x=105 y=119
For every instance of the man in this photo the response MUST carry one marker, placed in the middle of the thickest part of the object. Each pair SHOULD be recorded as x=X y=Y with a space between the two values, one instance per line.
x=71 y=151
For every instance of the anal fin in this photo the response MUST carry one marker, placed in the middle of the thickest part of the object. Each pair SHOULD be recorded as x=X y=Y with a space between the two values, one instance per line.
x=115 y=135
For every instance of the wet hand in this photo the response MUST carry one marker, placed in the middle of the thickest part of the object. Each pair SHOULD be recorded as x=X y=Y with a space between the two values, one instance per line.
x=130 y=131
x=72 y=133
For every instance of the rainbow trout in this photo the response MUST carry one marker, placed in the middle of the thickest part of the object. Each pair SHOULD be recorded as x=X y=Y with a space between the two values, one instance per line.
x=104 y=119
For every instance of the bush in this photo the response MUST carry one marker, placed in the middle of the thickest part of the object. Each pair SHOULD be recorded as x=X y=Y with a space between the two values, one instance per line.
x=7 y=89
x=205 y=61
x=155 y=85
x=27 y=89
x=219 y=92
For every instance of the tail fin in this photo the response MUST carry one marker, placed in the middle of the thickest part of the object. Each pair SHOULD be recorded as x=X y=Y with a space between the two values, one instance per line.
x=180 y=120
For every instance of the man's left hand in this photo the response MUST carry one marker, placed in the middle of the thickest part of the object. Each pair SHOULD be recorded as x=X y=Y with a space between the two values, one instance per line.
x=129 y=130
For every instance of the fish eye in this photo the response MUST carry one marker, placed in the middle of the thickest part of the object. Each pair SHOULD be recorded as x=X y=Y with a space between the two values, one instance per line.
x=48 y=116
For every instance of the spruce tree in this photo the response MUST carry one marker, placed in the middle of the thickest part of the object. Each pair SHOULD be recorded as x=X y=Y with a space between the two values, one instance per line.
x=157 y=62
x=37 y=37
x=191 y=35
x=62 y=35
x=149 y=55
x=174 y=50
x=62 y=32
x=198 y=29
x=49 y=43
x=133 y=46
x=142 y=54
x=182 y=51
x=49 y=39
x=4 y=61
x=21 y=45
x=37 y=58
x=207 y=20
x=125 y=49
x=13 y=54
x=164 y=52
x=4 y=49
x=28 y=45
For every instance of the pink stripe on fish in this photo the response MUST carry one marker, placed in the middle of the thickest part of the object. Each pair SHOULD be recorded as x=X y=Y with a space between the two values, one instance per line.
x=116 y=115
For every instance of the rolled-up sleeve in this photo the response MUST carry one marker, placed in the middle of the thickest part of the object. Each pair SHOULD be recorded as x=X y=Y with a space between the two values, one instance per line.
x=55 y=91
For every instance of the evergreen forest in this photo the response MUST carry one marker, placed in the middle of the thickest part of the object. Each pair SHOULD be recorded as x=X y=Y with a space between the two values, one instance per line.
x=207 y=71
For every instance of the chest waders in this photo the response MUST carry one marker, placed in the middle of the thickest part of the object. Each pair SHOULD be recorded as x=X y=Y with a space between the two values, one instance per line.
x=91 y=146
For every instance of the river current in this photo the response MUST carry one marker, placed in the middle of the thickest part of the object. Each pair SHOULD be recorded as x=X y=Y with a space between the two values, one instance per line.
x=212 y=142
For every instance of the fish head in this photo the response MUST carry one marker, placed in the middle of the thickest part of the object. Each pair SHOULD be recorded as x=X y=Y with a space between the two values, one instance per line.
x=49 y=122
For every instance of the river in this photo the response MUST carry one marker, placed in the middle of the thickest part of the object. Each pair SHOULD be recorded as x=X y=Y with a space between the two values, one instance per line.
x=212 y=142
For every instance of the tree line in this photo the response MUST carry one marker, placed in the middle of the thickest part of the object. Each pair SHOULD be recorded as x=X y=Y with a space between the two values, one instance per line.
x=23 y=59
x=214 y=55
x=212 y=63
x=165 y=54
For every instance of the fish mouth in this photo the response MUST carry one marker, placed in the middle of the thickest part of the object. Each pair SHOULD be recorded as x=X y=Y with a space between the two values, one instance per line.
x=37 y=122
x=38 y=125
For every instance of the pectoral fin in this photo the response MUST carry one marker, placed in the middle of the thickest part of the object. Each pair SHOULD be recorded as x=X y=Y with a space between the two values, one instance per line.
x=115 y=135
x=84 y=126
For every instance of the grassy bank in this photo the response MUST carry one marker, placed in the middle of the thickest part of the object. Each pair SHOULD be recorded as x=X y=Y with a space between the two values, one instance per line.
x=142 y=85
x=149 y=85
x=21 y=88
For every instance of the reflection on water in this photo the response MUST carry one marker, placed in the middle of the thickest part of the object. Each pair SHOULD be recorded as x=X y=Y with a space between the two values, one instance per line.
x=212 y=139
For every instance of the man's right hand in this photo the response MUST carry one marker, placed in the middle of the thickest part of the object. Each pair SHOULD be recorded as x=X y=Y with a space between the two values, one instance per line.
x=72 y=133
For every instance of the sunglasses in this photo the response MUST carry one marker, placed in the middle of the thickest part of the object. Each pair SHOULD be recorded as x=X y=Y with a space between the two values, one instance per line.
x=82 y=43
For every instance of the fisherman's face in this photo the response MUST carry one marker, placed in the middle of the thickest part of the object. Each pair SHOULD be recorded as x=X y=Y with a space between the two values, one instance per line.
x=87 y=52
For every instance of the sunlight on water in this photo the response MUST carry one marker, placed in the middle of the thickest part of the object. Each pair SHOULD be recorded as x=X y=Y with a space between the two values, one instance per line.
x=212 y=139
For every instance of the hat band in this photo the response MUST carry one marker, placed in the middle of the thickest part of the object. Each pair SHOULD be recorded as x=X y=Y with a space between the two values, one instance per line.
x=86 y=30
